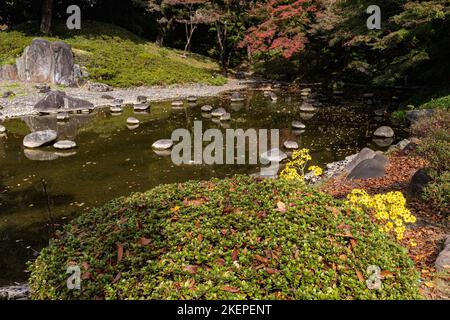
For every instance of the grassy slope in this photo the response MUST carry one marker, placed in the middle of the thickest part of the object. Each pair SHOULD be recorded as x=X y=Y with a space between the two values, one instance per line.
x=117 y=57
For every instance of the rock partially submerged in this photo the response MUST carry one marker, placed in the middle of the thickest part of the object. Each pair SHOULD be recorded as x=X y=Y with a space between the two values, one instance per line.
x=132 y=120
x=298 y=125
x=206 y=108
x=39 y=138
x=65 y=145
x=163 y=144
x=56 y=101
x=218 y=112
x=273 y=155
x=384 y=132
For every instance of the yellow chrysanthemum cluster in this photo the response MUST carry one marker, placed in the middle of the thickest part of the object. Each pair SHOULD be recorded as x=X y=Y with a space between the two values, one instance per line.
x=389 y=209
x=295 y=169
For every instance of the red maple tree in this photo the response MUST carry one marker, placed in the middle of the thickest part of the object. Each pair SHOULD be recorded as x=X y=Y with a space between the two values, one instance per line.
x=282 y=27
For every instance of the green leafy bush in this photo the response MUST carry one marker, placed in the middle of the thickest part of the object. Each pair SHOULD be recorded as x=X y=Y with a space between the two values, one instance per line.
x=236 y=238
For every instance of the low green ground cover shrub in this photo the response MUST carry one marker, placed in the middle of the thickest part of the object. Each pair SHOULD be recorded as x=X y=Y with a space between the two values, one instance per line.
x=238 y=238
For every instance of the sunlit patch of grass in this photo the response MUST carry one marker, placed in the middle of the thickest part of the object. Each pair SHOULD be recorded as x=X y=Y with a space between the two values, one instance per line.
x=117 y=57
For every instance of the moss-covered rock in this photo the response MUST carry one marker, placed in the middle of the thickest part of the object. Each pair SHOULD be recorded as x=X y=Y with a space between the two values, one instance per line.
x=236 y=238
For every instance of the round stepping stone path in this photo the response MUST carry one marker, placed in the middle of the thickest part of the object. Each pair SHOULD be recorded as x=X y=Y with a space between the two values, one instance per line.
x=218 y=112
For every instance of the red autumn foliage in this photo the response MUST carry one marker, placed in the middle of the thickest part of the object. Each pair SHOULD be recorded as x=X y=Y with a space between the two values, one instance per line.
x=283 y=26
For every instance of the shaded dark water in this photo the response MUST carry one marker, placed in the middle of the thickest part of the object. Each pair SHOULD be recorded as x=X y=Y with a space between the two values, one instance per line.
x=113 y=160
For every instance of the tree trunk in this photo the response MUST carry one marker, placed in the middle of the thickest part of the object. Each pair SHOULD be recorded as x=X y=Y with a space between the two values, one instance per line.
x=46 y=16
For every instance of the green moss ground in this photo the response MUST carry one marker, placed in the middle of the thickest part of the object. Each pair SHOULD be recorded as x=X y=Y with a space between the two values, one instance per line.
x=117 y=57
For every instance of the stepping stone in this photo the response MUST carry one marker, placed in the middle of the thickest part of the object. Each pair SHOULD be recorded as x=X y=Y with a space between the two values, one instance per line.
x=207 y=108
x=225 y=117
x=307 y=115
x=273 y=97
x=298 y=125
x=62 y=116
x=141 y=107
x=237 y=97
x=307 y=107
x=132 y=120
x=163 y=144
x=379 y=112
x=368 y=95
x=132 y=127
x=384 y=132
x=65 y=145
x=40 y=155
x=39 y=138
x=177 y=103
x=116 y=109
x=273 y=155
x=2 y=129
x=338 y=93
x=192 y=99
x=289 y=144
x=218 y=112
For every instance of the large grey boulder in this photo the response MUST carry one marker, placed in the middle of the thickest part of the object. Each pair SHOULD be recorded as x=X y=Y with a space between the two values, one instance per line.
x=39 y=138
x=384 y=132
x=364 y=154
x=418 y=182
x=55 y=101
x=443 y=260
x=371 y=168
x=45 y=61
x=414 y=115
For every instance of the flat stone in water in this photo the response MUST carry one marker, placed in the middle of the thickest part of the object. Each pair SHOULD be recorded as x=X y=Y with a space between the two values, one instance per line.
x=307 y=107
x=141 y=106
x=218 y=112
x=39 y=138
x=62 y=116
x=116 y=109
x=40 y=155
x=192 y=99
x=273 y=155
x=379 y=112
x=384 y=132
x=307 y=115
x=289 y=144
x=65 y=145
x=225 y=117
x=177 y=103
x=298 y=125
x=132 y=120
x=163 y=144
x=207 y=108
x=237 y=97
x=2 y=129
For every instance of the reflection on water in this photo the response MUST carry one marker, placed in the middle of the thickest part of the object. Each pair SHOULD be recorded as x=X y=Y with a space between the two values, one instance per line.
x=113 y=159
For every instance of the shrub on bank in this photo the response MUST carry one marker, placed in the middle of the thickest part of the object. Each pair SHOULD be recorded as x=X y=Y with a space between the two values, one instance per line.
x=239 y=238
x=435 y=147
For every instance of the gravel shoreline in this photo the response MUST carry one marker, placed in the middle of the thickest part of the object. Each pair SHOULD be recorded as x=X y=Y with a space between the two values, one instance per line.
x=27 y=95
